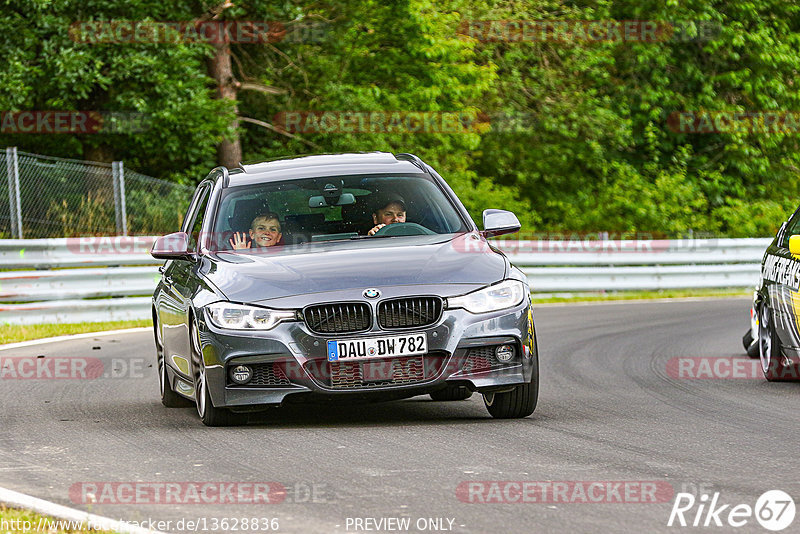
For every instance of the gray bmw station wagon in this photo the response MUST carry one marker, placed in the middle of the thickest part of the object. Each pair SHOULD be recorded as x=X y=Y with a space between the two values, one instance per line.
x=339 y=278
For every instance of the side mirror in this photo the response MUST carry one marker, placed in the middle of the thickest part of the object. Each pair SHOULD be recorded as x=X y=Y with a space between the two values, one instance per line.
x=499 y=222
x=173 y=246
x=794 y=245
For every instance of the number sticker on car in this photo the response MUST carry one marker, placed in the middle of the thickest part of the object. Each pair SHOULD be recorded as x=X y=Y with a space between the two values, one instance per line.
x=377 y=347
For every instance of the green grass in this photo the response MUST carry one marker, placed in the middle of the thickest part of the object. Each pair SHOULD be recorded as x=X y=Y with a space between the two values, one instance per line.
x=13 y=520
x=15 y=333
x=641 y=295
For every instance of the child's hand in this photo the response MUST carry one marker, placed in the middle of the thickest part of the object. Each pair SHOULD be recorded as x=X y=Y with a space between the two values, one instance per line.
x=239 y=241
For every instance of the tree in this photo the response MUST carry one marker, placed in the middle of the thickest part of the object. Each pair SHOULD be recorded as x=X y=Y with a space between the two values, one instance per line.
x=47 y=68
x=598 y=152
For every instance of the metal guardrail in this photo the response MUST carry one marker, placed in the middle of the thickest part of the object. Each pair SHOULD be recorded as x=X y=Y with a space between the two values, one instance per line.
x=553 y=279
x=117 y=274
x=76 y=311
x=564 y=266
x=76 y=252
x=634 y=252
x=32 y=286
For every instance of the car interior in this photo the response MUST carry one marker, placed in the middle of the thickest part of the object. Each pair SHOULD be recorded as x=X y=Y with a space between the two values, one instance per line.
x=302 y=223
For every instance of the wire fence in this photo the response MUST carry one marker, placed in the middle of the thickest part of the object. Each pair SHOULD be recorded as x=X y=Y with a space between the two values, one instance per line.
x=155 y=207
x=44 y=196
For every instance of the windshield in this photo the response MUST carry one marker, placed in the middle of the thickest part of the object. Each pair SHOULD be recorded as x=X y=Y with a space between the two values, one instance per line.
x=295 y=213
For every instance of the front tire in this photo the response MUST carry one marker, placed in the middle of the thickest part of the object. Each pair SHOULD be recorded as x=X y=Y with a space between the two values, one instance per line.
x=750 y=344
x=519 y=402
x=169 y=398
x=209 y=414
x=770 y=352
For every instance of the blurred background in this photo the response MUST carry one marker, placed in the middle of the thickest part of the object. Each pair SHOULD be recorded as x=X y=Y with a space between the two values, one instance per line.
x=577 y=124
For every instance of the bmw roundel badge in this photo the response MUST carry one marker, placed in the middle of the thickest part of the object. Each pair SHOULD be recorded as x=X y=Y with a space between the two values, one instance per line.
x=372 y=293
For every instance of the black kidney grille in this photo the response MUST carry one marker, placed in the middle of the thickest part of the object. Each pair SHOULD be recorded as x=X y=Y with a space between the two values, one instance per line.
x=338 y=318
x=409 y=312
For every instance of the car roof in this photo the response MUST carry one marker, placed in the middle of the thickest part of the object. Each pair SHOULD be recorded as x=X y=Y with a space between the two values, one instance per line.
x=325 y=165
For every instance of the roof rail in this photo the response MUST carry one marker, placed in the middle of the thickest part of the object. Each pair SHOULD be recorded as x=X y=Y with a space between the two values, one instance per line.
x=226 y=179
x=405 y=156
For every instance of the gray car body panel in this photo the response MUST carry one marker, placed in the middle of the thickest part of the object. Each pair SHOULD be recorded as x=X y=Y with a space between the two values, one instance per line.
x=322 y=166
x=266 y=278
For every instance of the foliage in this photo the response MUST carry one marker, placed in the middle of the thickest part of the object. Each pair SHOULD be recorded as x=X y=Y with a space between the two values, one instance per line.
x=46 y=69
x=598 y=153
x=588 y=147
x=156 y=211
x=93 y=216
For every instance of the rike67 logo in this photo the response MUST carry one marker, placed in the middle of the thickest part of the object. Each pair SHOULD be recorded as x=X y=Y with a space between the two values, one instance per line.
x=774 y=510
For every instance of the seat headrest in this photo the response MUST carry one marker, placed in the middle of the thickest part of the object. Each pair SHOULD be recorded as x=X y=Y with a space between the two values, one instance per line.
x=358 y=212
x=244 y=211
x=305 y=221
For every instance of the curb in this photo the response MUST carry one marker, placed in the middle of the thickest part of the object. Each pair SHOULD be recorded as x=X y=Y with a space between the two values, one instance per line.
x=84 y=335
x=19 y=500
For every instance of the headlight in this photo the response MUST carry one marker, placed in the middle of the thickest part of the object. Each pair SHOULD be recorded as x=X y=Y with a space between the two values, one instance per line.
x=240 y=317
x=506 y=294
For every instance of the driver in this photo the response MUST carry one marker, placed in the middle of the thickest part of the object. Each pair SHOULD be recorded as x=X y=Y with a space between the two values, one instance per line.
x=390 y=209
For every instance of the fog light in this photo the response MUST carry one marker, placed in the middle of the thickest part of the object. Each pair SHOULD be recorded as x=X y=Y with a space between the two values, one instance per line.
x=241 y=374
x=504 y=353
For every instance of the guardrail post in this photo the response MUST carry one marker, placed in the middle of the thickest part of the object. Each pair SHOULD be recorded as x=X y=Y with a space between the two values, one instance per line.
x=118 y=175
x=14 y=207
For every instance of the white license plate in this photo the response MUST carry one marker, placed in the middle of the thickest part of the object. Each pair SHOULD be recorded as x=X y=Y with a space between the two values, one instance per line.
x=376 y=347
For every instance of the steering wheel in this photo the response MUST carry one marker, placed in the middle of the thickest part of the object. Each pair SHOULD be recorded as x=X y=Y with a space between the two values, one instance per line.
x=401 y=229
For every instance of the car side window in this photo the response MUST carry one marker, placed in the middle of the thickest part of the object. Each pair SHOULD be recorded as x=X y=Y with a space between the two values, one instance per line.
x=792 y=228
x=197 y=222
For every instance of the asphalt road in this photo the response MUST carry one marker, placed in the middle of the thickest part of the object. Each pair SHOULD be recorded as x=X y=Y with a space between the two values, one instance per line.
x=615 y=405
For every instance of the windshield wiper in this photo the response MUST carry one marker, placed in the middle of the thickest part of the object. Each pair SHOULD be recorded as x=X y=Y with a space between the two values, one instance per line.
x=369 y=236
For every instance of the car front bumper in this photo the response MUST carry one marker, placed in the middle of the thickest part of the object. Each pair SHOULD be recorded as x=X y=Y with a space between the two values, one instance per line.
x=291 y=364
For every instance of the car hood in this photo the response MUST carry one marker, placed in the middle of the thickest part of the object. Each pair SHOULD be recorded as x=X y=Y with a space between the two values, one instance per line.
x=325 y=267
